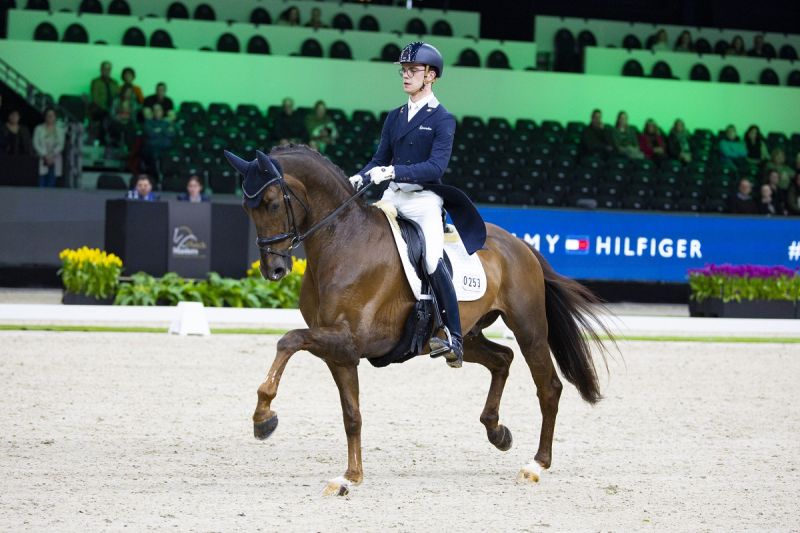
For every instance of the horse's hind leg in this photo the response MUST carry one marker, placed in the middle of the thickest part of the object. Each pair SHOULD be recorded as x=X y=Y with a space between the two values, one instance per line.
x=497 y=359
x=529 y=326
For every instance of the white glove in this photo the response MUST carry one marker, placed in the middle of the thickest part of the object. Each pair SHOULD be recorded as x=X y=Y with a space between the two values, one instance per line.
x=381 y=174
x=356 y=181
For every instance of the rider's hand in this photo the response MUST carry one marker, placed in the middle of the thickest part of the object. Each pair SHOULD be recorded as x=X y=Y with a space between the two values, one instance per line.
x=356 y=181
x=380 y=174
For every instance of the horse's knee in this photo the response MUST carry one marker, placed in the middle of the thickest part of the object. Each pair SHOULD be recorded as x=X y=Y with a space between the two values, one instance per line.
x=290 y=342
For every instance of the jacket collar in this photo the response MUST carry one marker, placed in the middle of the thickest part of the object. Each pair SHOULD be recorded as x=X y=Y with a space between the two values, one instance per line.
x=405 y=126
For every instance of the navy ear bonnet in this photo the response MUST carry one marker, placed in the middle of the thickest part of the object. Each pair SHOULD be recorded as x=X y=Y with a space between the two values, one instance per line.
x=258 y=174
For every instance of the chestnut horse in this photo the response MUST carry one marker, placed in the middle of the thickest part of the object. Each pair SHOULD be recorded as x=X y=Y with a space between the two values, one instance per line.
x=355 y=300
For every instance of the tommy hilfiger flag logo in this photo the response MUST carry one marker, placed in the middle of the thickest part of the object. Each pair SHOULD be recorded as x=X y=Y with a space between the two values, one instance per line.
x=577 y=244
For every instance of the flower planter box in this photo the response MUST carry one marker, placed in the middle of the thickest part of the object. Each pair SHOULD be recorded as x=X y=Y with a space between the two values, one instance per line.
x=70 y=298
x=715 y=307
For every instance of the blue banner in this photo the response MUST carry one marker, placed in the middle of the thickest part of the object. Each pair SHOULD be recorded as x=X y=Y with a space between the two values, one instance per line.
x=629 y=246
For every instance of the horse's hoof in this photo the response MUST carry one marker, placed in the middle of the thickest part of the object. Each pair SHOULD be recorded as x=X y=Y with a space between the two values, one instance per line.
x=337 y=487
x=264 y=429
x=502 y=438
x=530 y=473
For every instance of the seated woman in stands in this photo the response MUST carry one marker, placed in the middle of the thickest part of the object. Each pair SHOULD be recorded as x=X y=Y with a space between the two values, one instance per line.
x=684 y=42
x=737 y=47
x=623 y=137
x=756 y=147
x=730 y=146
x=651 y=142
x=678 y=144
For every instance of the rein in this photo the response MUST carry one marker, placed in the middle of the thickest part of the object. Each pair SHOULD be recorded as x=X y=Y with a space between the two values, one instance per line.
x=296 y=237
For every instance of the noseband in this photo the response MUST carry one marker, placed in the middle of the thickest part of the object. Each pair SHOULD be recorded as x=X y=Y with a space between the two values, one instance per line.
x=294 y=235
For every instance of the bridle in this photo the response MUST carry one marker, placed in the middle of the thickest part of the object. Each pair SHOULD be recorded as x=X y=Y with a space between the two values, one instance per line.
x=294 y=235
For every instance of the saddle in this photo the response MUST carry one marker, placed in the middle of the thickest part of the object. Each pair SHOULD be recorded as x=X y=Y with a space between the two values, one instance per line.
x=425 y=319
x=420 y=322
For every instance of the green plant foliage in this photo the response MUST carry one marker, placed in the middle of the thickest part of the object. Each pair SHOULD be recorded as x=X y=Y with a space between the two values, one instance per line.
x=216 y=291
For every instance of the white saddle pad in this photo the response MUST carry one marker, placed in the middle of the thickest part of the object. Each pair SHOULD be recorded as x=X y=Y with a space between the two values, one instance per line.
x=469 y=277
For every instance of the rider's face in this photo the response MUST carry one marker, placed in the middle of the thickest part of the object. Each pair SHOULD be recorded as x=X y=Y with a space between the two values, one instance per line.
x=413 y=75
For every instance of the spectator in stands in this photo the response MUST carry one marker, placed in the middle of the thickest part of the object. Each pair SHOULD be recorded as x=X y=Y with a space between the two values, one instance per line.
x=678 y=142
x=684 y=42
x=660 y=41
x=194 y=191
x=16 y=137
x=793 y=196
x=777 y=194
x=158 y=136
x=756 y=147
x=161 y=99
x=128 y=75
x=320 y=127
x=737 y=47
x=765 y=203
x=123 y=118
x=289 y=125
x=316 y=20
x=290 y=17
x=777 y=162
x=143 y=190
x=651 y=142
x=48 y=142
x=731 y=147
x=596 y=139
x=103 y=90
x=623 y=138
x=742 y=202
x=758 y=47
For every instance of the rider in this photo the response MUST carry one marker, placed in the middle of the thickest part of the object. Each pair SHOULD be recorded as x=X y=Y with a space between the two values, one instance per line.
x=414 y=151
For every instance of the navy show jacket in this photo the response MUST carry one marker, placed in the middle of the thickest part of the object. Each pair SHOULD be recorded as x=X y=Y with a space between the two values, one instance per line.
x=419 y=150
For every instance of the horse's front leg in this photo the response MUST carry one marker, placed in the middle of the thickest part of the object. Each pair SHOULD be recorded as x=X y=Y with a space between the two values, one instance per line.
x=346 y=377
x=336 y=347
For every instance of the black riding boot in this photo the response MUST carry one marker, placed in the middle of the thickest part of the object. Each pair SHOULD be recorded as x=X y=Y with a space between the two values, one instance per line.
x=442 y=285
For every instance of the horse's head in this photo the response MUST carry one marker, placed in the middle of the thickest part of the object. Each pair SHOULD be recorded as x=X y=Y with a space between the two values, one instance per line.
x=276 y=204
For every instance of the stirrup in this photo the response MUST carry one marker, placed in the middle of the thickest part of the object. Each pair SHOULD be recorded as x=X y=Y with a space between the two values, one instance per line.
x=441 y=347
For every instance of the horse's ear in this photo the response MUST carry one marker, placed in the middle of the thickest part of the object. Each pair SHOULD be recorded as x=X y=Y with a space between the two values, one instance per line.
x=264 y=163
x=239 y=164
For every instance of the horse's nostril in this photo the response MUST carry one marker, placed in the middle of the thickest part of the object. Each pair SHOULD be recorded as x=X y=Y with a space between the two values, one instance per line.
x=279 y=272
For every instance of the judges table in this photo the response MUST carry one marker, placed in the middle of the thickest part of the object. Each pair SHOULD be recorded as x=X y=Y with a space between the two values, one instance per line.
x=190 y=239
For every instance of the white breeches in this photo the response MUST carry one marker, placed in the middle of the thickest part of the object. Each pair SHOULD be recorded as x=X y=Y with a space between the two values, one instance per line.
x=424 y=208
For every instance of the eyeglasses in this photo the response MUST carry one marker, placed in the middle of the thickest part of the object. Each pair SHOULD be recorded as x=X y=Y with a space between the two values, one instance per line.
x=409 y=72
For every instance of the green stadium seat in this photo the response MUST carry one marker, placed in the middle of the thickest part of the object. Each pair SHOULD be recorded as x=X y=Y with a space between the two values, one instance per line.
x=341 y=21
x=90 y=6
x=258 y=45
x=259 y=16
x=416 y=26
x=177 y=10
x=442 y=27
x=119 y=7
x=228 y=42
x=369 y=23
x=161 y=39
x=75 y=33
x=204 y=12
x=45 y=32
x=468 y=58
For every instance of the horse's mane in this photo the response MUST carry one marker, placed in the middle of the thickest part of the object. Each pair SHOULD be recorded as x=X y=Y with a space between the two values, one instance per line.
x=307 y=151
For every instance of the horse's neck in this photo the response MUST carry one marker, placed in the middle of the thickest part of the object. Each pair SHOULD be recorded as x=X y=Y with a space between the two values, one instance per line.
x=339 y=240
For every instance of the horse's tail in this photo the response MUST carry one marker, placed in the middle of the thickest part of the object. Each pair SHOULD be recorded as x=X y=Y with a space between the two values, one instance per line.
x=572 y=323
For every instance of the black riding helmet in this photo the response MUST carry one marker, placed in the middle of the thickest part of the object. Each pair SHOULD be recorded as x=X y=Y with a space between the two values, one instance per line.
x=423 y=53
